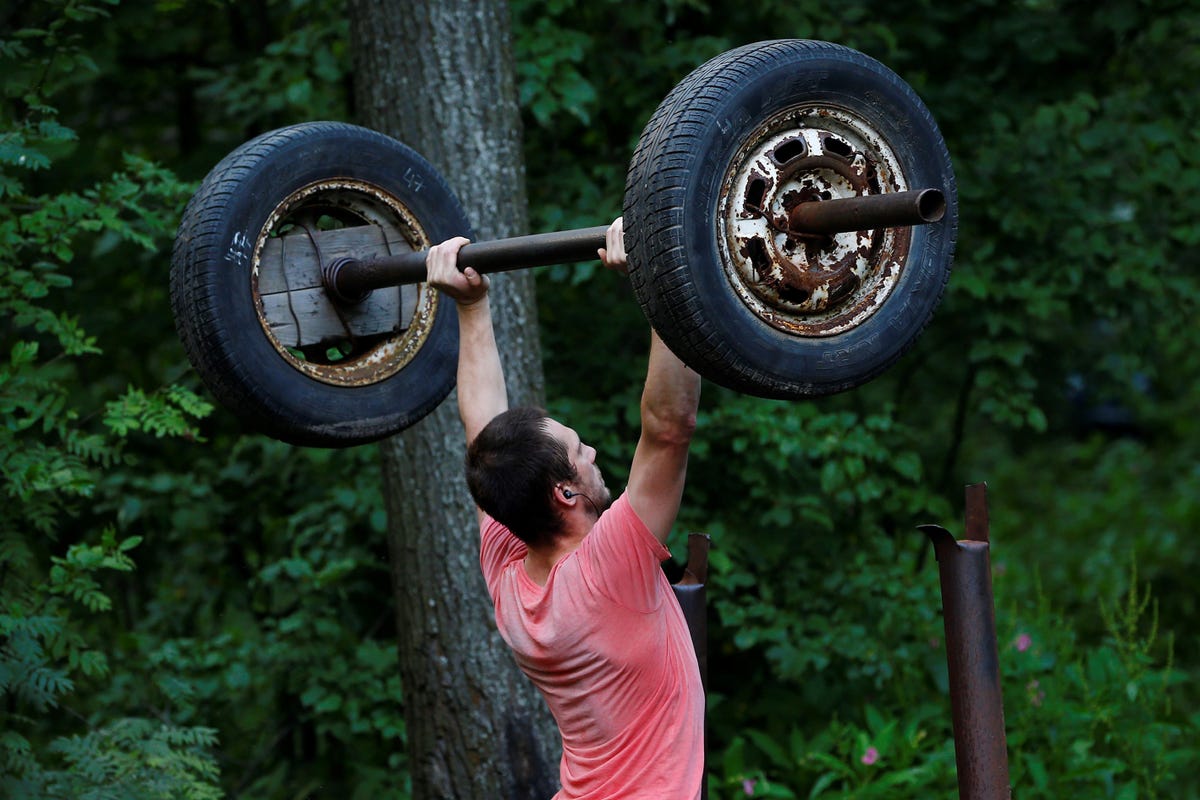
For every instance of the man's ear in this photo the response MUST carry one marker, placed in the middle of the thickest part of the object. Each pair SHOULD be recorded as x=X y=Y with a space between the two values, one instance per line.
x=563 y=494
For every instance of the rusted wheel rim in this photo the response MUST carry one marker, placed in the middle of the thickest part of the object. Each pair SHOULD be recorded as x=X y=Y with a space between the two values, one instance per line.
x=328 y=341
x=809 y=285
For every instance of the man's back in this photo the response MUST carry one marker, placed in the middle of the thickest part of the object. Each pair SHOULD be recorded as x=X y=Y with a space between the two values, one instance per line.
x=606 y=643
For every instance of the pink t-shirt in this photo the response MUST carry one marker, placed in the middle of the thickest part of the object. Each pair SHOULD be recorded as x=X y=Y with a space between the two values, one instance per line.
x=606 y=643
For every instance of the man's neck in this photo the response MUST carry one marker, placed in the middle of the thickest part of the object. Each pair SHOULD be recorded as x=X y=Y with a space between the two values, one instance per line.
x=539 y=561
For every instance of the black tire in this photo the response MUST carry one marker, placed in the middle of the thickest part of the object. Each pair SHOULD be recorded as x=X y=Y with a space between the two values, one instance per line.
x=359 y=177
x=674 y=205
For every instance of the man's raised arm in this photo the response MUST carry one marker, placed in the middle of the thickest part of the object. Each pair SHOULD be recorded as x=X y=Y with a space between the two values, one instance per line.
x=481 y=391
x=669 y=403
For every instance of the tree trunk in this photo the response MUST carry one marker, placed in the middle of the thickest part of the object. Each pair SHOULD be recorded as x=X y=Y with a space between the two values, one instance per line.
x=438 y=75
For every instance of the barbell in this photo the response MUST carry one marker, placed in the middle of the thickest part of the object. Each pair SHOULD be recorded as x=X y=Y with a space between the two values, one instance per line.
x=790 y=217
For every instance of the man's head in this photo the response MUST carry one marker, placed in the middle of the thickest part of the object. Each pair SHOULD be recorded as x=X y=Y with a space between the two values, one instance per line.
x=518 y=466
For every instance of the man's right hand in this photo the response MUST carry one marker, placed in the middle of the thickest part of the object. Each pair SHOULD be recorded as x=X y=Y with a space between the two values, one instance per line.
x=467 y=287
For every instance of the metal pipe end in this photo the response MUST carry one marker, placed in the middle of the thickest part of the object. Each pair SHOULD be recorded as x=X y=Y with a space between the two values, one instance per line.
x=330 y=272
x=943 y=541
x=867 y=212
x=931 y=205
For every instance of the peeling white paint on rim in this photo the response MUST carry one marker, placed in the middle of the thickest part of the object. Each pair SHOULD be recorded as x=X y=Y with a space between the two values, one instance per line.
x=842 y=156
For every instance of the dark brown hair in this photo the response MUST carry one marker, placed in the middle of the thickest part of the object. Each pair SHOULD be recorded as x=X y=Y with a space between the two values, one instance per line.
x=512 y=468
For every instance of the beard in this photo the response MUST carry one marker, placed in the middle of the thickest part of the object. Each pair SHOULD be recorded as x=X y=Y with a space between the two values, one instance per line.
x=604 y=498
x=598 y=495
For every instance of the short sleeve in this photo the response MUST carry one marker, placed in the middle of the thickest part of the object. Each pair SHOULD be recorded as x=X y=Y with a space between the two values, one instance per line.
x=622 y=559
x=498 y=548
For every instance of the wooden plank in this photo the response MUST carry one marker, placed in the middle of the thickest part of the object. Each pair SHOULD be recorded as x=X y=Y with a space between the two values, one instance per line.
x=295 y=253
x=311 y=318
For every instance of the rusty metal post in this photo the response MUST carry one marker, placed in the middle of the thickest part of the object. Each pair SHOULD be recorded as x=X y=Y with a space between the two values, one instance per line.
x=693 y=600
x=972 y=653
x=692 y=597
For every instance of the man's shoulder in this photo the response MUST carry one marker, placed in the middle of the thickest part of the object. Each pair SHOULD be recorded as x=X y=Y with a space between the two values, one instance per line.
x=622 y=520
x=498 y=546
x=622 y=559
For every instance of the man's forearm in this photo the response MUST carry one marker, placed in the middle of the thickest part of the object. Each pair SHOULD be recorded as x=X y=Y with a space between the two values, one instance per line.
x=671 y=395
x=481 y=390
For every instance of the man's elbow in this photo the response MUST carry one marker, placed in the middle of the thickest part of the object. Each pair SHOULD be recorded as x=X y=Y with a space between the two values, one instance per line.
x=670 y=427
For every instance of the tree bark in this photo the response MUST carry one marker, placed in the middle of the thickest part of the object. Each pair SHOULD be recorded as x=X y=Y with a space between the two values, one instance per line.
x=438 y=75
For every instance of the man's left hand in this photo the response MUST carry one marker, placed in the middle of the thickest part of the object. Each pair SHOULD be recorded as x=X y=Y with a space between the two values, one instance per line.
x=613 y=254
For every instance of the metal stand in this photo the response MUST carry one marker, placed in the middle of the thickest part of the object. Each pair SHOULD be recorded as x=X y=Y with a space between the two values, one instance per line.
x=972 y=653
x=693 y=600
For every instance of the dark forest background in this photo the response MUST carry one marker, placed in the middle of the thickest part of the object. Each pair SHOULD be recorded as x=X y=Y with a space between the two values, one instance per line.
x=190 y=610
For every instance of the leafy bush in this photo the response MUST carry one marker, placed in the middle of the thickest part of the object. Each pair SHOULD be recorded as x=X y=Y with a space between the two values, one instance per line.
x=1082 y=720
x=1098 y=721
x=53 y=451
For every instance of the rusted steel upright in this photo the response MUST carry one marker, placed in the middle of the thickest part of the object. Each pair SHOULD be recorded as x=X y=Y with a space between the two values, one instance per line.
x=689 y=591
x=972 y=653
x=692 y=599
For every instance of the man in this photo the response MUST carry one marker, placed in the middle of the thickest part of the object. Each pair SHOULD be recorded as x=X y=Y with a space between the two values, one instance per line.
x=576 y=578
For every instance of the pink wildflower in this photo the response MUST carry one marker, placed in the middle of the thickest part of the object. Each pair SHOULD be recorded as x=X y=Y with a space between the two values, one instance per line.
x=748 y=787
x=870 y=757
x=1023 y=642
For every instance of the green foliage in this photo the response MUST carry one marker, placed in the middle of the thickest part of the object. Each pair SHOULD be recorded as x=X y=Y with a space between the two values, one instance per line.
x=1085 y=259
x=250 y=652
x=1082 y=721
x=52 y=452
x=296 y=666
x=164 y=413
x=589 y=76
x=1098 y=721
x=46 y=652
x=298 y=75
x=137 y=759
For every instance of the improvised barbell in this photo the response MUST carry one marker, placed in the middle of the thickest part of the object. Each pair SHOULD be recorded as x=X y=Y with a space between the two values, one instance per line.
x=349 y=280
x=790 y=216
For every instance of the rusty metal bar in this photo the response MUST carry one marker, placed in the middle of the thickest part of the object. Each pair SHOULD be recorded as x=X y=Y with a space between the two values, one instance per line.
x=972 y=654
x=349 y=279
x=868 y=212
